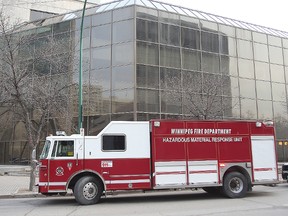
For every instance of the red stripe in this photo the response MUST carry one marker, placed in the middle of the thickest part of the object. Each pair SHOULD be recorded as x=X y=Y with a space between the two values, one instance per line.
x=263 y=169
x=171 y=173
x=203 y=171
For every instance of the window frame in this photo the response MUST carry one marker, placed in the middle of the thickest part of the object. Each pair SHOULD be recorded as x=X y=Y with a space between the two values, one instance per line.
x=115 y=150
x=54 y=153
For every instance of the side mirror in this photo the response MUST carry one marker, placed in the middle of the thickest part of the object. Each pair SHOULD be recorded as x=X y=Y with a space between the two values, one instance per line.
x=36 y=162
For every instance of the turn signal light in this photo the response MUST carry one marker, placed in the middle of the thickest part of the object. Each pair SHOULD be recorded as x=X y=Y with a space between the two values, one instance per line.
x=222 y=165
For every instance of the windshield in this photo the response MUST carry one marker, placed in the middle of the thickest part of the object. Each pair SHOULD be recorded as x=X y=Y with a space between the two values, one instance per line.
x=45 y=150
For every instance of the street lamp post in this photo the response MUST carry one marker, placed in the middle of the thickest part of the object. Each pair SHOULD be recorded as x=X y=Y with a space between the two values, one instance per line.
x=80 y=94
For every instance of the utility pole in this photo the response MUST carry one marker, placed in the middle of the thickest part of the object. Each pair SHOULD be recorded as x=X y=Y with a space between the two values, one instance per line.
x=80 y=95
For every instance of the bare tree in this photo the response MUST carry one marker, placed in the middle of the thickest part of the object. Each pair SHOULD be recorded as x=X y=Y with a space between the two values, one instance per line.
x=199 y=95
x=36 y=79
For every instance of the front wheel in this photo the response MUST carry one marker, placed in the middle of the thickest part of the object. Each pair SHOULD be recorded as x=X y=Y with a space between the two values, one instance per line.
x=88 y=190
x=235 y=185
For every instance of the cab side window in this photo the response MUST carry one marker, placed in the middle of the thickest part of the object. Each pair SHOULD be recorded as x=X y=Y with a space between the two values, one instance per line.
x=113 y=143
x=63 y=149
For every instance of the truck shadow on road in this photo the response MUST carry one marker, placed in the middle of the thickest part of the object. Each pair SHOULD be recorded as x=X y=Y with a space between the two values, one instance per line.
x=171 y=197
x=152 y=197
x=136 y=198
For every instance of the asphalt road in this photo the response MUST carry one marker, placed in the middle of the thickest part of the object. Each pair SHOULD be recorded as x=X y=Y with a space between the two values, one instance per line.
x=264 y=201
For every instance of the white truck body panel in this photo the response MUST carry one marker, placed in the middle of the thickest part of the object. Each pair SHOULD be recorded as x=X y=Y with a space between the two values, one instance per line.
x=137 y=141
x=264 y=157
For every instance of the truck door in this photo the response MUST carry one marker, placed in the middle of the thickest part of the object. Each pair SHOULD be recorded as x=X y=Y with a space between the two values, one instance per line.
x=264 y=158
x=169 y=156
x=170 y=165
x=66 y=159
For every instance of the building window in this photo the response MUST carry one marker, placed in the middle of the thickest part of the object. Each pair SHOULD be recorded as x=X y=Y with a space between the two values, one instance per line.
x=113 y=143
x=190 y=38
x=170 y=34
x=148 y=100
x=147 y=30
x=276 y=56
x=170 y=57
x=123 y=31
x=147 y=53
x=101 y=35
x=245 y=49
x=147 y=76
x=191 y=59
x=210 y=42
x=261 y=52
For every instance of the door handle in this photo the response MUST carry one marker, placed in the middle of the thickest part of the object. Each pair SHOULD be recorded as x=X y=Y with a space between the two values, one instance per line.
x=43 y=167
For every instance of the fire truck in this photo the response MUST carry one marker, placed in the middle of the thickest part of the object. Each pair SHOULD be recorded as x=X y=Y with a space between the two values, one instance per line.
x=228 y=157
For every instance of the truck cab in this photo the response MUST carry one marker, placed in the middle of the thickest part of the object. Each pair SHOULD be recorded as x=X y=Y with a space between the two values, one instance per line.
x=61 y=157
x=118 y=158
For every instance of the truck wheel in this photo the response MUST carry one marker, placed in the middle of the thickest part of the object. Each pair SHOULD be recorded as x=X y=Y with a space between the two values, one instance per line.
x=88 y=190
x=235 y=185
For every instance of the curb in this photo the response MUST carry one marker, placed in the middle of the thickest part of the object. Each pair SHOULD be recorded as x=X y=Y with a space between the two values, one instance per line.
x=29 y=195
x=21 y=195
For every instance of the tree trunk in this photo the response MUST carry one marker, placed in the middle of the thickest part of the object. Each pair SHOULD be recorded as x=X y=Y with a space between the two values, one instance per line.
x=33 y=164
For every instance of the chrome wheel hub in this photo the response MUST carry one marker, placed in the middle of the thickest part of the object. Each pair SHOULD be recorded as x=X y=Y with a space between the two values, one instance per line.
x=90 y=190
x=236 y=185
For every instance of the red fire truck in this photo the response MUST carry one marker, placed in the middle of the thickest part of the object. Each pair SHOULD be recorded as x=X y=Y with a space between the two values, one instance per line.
x=217 y=156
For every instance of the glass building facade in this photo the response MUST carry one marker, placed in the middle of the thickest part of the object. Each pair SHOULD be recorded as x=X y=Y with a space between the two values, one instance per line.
x=145 y=59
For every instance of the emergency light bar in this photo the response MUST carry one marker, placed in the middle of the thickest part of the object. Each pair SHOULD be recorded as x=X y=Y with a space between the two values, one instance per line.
x=60 y=133
x=268 y=123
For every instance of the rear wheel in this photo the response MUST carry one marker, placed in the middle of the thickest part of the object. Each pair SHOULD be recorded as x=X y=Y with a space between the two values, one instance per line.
x=88 y=190
x=235 y=185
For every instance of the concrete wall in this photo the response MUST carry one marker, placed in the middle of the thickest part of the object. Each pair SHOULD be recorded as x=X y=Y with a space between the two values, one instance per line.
x=19 y=10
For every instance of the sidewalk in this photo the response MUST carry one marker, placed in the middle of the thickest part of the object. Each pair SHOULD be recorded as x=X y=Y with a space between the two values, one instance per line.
x=15 y=186
x=14 y=182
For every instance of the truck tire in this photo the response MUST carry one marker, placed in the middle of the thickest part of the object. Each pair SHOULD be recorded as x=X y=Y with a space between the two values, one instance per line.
x=88 y=190
x=235 y=185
